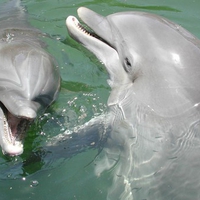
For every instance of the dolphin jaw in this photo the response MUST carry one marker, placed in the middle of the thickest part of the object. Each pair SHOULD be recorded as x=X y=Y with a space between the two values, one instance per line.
x=8 y=142
x=12 y=131
x=78 y=32
x=88 y=39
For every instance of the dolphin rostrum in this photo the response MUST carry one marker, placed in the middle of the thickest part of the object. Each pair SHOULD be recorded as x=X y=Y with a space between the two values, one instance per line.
x=29 y=77
x=153 y=148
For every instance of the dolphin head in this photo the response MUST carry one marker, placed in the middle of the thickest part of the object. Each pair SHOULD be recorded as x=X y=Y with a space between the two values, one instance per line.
x=118 y=40
x=100 y=41
x=142 y=50
x=29 y=82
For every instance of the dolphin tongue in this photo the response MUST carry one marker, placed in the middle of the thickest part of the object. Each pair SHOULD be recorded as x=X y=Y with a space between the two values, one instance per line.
x=96 y=22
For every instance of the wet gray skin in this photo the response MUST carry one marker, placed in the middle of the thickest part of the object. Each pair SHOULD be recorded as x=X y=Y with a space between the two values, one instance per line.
x=29 y=77
x=152 y=150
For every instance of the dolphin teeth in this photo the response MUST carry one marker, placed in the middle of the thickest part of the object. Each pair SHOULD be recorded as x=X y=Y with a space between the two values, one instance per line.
x=12 y=134
x=80 y=27
x=7 y=132
x=87 y=31
x=16 y=138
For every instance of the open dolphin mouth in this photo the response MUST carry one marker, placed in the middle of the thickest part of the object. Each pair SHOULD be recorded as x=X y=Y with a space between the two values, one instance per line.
x=12 y=132
x=74 y=25
x=84 y=28
x=83 y=32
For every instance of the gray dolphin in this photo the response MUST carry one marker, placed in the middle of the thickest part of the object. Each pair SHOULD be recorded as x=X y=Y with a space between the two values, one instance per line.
x=29 y=77
x=153 y=148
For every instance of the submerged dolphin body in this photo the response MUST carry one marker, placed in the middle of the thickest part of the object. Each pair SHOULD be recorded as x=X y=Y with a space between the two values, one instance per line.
x=29 y=78
x=153 y=148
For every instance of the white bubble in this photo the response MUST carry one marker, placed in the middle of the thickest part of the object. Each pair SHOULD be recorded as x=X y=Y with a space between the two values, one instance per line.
x=34 y=183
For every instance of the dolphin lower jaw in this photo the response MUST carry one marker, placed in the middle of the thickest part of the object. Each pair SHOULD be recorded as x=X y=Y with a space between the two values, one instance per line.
x=12 y=132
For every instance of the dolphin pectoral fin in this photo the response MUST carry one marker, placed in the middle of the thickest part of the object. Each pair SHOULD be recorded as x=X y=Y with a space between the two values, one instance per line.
x=90 y=135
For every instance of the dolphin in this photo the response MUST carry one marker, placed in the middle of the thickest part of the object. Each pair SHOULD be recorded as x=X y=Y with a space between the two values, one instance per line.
x=152 y=149
x=29 y=76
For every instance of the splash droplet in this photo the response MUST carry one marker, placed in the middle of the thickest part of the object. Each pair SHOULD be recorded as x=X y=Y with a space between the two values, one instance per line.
x=34 y=183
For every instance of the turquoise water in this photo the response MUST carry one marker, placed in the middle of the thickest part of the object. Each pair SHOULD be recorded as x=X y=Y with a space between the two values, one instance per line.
x=84 y=92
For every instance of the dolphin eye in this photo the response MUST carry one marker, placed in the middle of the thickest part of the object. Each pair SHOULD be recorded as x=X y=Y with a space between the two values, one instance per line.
x=127 y=65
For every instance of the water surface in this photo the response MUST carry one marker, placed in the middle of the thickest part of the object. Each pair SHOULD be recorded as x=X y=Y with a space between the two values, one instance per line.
x=84 y=92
